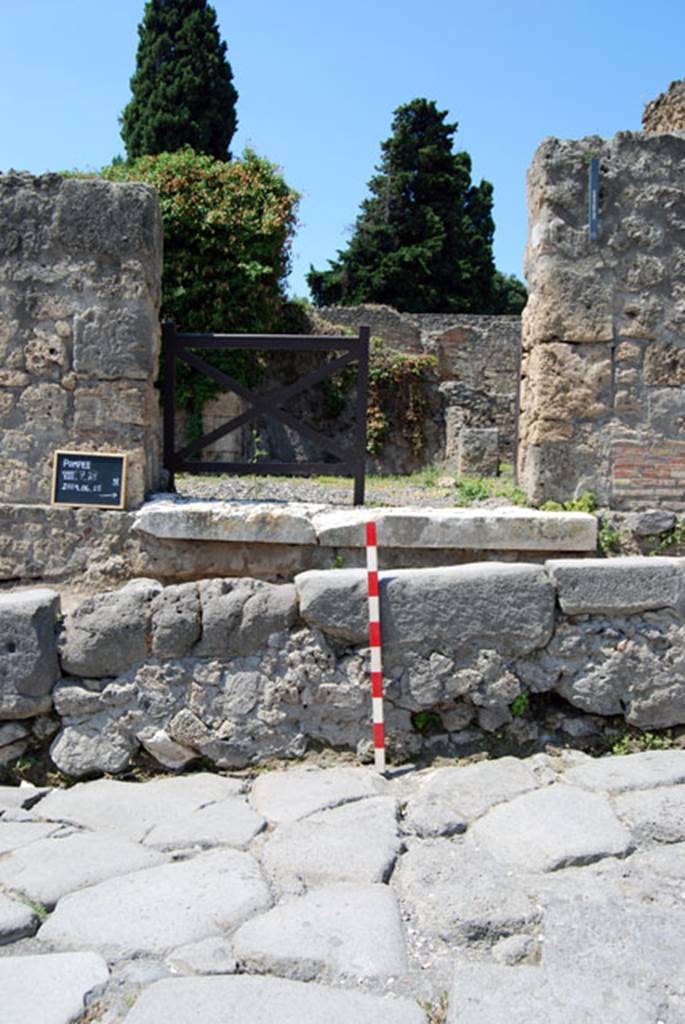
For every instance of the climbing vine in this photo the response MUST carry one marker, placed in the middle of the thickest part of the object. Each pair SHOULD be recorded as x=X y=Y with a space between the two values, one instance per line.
x=398 y=396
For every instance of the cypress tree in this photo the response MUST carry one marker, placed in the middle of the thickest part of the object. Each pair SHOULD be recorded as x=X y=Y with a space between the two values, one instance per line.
x=182 y=88
x=423 y=239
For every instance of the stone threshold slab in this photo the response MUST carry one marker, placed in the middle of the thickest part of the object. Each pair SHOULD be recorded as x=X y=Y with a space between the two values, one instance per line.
x=501 y=529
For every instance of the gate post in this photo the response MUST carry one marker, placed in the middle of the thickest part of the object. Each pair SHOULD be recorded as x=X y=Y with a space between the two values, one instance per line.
x=169 y=393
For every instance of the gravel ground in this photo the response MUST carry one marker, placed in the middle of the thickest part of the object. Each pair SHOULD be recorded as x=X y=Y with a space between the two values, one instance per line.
x=330 y=491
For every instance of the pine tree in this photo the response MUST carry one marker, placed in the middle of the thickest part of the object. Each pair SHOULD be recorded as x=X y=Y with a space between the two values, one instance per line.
x=423 y=239
x=182 y=88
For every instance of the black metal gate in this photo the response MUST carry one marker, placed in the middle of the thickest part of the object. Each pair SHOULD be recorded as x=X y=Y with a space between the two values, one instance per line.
x=349 y=461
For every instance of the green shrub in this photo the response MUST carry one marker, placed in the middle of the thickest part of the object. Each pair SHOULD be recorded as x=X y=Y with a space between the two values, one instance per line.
x=228 y=228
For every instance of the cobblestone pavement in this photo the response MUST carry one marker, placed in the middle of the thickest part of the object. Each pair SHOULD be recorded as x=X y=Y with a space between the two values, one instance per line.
x=546 y=889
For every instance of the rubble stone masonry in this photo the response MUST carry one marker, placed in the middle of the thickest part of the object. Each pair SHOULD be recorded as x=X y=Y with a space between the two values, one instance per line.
x=80 y=273
x=602 y=399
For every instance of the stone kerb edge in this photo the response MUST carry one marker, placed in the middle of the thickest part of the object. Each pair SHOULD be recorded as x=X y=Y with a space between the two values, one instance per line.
x=514 y=529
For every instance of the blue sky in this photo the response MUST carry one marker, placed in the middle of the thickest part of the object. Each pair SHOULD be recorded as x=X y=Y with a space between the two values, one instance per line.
x=318 y=83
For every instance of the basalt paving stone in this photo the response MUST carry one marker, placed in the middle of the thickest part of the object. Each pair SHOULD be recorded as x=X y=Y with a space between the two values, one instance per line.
x=155 y=910
x=449 y=798
x=245 y=1000
x=462 y=895
x=653 y=815
x=209 y=956
x=14 y=835
x=17 y=921
x=134 y=808
x=628 y=942
x=357 y=842
x=551 y=828
x=286 y=796
x=490 y=994
x=349 y=931
x=20 y=796
x=635 y=771
x=49 y=989
x=230 y=822
x=50 y=868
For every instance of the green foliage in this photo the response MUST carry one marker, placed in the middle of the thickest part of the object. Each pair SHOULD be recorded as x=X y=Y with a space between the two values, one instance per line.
x=673 y=538
x=427 y=722
x=182 y=88
x=227 y=235
x=633 y=741
x=423 y=239
x=585 y=502
x=509 y=295
x=520 y=705
x=608 y=538
x=397 y=394
x=478 y=488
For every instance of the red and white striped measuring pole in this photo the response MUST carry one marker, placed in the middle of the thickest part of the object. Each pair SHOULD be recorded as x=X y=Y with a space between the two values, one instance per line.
x=375 y=645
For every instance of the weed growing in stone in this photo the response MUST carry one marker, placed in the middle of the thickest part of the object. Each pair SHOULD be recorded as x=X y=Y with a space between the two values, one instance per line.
x=436 y=1012
x=520 y=705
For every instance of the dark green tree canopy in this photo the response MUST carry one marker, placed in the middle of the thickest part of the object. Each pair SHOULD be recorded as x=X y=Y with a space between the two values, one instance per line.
x=423 y=239
x=182 y=88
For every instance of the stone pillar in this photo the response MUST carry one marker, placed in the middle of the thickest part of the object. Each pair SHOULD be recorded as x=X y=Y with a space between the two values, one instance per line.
x=80 y=274
x=602 y=400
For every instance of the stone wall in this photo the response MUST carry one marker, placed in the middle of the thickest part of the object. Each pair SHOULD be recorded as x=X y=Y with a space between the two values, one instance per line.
x=602 y=401
x=239 y=671
x=478 y=359
x=667 y=112
x=80 y=272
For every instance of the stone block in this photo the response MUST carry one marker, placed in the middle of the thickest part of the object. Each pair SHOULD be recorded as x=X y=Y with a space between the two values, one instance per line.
x=50 y=989
x=251 y=1000
x=499 y=529
x=116 y=342
x=239 y=615
x=260 y=523
x=107 y=634
x=616 y=586
x=478 y=451
x=28 y=652
x=507 y=608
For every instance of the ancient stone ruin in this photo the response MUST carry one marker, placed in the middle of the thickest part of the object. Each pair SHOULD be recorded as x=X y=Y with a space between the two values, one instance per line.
x=221 y=631
x=602 y=402
x=667 y=112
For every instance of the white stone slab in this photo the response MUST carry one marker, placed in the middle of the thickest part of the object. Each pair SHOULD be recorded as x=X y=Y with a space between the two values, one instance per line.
x=16 y=921
x=133 y=808
x=501 y=529
x=288 y=795
x=155 y=910
x=654 y=815
x=491 y=994
x=14 y=834
x=48 y=989
x=208 y=956
x=245 y=1000
x=255 y=522
x=50 y=868
x=20 y=796
x=552 y=828
x=229 y=822
x=340 y=931
x=247 y=522
x=357 y=842
x=449 y=798
x=632 y=771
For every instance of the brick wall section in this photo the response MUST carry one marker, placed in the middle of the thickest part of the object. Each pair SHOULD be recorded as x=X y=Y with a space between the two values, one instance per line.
x=647 y=474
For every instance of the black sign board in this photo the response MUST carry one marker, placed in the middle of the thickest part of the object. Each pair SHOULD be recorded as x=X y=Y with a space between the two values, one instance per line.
x=84 y=478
